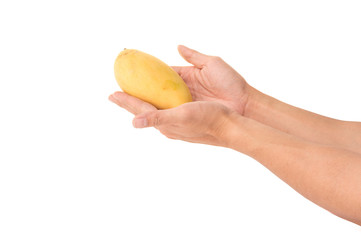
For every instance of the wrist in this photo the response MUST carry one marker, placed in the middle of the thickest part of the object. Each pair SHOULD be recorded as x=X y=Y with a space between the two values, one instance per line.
x=244 y=135
x=256 y=101
x=232 y=131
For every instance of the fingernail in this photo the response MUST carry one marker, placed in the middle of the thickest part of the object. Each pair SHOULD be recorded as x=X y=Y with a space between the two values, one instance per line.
x=111 y=98
x=185 y=50
x=117 y=95
x=140 y=122
x=182 y=47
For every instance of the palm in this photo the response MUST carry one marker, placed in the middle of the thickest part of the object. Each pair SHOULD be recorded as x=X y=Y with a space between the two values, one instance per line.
x=215 y=81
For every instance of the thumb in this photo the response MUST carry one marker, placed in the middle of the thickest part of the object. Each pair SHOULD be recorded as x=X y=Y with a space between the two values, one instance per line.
x=151 y=118
x=192 y=56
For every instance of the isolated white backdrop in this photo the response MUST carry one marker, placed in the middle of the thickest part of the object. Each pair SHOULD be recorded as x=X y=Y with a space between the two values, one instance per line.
x=73 y=167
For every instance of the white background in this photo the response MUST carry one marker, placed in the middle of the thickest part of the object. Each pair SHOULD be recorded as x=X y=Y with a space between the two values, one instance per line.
x=73 y=167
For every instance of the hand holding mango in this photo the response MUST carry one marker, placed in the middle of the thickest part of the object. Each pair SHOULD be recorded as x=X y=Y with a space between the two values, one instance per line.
x=149 y=79
x=217 y=91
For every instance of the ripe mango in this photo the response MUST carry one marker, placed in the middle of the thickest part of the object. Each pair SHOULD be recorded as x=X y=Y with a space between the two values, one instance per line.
x=149 y=79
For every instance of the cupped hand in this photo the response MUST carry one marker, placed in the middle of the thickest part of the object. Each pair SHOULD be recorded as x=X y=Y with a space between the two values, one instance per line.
x=199 y=122
x=212 y=79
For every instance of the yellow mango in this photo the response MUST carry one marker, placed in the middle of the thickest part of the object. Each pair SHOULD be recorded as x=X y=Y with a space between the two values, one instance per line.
x=149 y=79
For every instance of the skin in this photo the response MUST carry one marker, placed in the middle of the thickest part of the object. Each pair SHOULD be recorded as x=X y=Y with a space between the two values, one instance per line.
x=319 y=157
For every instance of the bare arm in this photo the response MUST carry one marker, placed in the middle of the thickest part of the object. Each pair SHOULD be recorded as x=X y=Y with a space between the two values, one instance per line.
x=212 y=79
x=307 y=125
x=328 y=176
x=317 y=156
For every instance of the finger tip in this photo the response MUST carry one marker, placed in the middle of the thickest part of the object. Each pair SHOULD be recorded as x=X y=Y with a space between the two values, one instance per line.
x=133 y=123
x=140 y=122
x=185 y=52
x=182 y=48
x=111 y=97
x=117 y=94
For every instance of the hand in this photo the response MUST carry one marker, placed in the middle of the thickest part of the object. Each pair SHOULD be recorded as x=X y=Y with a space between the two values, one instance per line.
x=200 y=122
x=212 y=79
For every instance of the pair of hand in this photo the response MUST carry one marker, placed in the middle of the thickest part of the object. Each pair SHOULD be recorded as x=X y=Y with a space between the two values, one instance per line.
x=218 y=91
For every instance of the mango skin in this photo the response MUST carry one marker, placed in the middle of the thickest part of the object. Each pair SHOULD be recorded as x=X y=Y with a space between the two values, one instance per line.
x=149 y=79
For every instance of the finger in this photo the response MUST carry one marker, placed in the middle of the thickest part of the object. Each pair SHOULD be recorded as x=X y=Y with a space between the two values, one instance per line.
x=184 y=72
x=192 y=56
x=130 y=103
x=154 y=118
x=179 y=70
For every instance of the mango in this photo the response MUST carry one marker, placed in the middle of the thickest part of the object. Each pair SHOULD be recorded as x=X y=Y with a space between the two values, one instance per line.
x=149 y=79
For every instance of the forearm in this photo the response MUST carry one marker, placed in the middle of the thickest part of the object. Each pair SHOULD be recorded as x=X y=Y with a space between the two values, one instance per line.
x=307 y=125
x=330 y=177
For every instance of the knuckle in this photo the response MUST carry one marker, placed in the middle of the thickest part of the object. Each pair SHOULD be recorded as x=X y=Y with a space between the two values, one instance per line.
x=193 y=54
x=217 y=59
x=157 y=120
